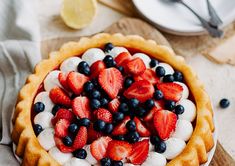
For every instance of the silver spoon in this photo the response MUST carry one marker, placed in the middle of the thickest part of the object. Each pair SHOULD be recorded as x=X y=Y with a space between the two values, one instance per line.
x=212 y=30
x=214 y=18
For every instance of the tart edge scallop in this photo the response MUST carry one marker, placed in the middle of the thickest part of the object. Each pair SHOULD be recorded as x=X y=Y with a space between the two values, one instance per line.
x=27 y=145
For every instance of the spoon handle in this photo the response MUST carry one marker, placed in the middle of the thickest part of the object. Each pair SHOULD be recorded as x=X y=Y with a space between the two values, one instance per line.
x=213 y=31
x=214 y=18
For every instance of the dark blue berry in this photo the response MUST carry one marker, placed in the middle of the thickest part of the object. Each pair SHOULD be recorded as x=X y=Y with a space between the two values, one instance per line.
x=73 y=128
x=88 y=86
x=105 y=162
x=55 y=109
x=168 y=78
x=170 y=105
x=99 y=125
x=179 y=109
x=158 y=95
x=108 y=47
x=132 y=137
x=108 y=128
x=160 y=71
x=133 y=103
x=153 y=63
x=67 y=140
x=154 y=139
x=121 y=69
x=84 y=122
x=140 y=112
x=80 y=153
x=104 y=102
x=149 y=104
x=128 y=81
x=178 y=76
x=109 y=61
x=117 y=163
x=123 y=107
x=95 y=94
x=95 y=104
x=37 y=129
x=224 y=103
x=118 y=116
x=38 y=107
x=119 y=137
x=84 y=68
x=130 y=125
x=160 y=147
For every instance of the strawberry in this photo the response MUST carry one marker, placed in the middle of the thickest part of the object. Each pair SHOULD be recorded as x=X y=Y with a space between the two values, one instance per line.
x=113 y=105
x=111 y=81
x=58 y=96
x=60 y=145
x=63 y=114
x=123 y=58
x=80 y=139
x=76 y=81
x=81 y=107
x=118 y=150
x=96 y=68
x=148 y=75
x=61 y=128
x=92 y=134
x=104 y=115
x=158 y=106
x=135 y=67
x=99 y=147
x=141 y=129
x=141 y=90
x=120 y=129
x=63 y=80
x=139 y=152
x=164 y=123
x=171 y=91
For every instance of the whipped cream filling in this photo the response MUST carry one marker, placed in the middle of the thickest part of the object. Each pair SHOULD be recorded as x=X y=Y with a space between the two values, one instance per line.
x=59 y=156
x=167 y=67
x=43 y=119
x=155 y=159
x=183 y=130
x=185 y=94
x=45 y=99
x=70 y=64
x=51 y=80
x=46 y=138
x=92 y=55
x=146 y=59
x=77 y=162
x=117 y=50
x=189 y=110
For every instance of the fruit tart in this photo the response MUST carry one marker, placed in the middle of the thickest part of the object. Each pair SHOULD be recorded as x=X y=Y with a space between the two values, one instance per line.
x=113 y=100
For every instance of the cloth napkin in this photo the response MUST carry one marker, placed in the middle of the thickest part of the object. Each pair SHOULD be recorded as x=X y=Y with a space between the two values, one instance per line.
x=19 y=52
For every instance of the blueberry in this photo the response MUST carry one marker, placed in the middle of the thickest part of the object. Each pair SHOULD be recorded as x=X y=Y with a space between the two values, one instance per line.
x=55 y=109
x=73 y=128
x=128 y=81
x=168 y=78
x=95 y=104
x=133 y=103
x=153 y=63
x=37 y=129
x=117 y=163
x=67 y=140
x=38 y=107
x=109 y=61
x=179 y=109
x=88 y=86
x=80 y=153
x=99 y=125
x=224 y=103
x=95 y=83
x=170 y=105
x=132 y=137
x=178 y=76
x=121 y=69
x=105 y=162
x=84 y=122
x=154 y=139
x=119 y=137
x=118 y=116
x=123 y=107
x=130 y=125
x=123 y=99
x=95 y=94
x=140 y=112
x=84 y=68
x=104 y=102
x=149 y=104
x=160 y=71
x=108 y=128
x=158 y=95
x=160 y=147
x=108 y=47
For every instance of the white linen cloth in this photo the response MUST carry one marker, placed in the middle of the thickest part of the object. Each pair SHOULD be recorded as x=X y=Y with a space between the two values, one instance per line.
x=19 y=52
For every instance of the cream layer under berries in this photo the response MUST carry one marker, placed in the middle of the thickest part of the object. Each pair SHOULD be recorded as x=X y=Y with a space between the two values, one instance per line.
x=113 y=107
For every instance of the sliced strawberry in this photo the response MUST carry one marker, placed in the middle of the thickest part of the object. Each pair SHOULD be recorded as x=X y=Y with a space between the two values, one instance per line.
x=123 y=58
x=96 y=68
x=81 y=107
x=165 y=123
x=104 y=115
x=141 y=90
x=139 y=152
x=76 y=81
x=58 y=96
x=135 y=67
x=171 y=91
x=63 y=114
x=141 y=129
x=111 y=81
x=118 y=150
x=63 y=80
x=81 y=138
x=159 y=105
x=99 y=147
x=92 y=134
x=113 y=105
x=61 y=128
x=148 y=75
x=120 y=129
x=60 y=145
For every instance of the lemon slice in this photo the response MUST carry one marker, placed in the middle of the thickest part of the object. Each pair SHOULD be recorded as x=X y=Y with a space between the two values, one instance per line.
x=78 y=13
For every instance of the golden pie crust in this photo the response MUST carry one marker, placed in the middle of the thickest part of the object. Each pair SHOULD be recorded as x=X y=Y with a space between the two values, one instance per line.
x=27 y=145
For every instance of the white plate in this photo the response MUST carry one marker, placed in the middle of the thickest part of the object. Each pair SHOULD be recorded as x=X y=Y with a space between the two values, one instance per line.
x=176 y=19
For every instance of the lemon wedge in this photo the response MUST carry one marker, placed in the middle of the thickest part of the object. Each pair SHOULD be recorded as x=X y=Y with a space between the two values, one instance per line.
x=78 y=14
